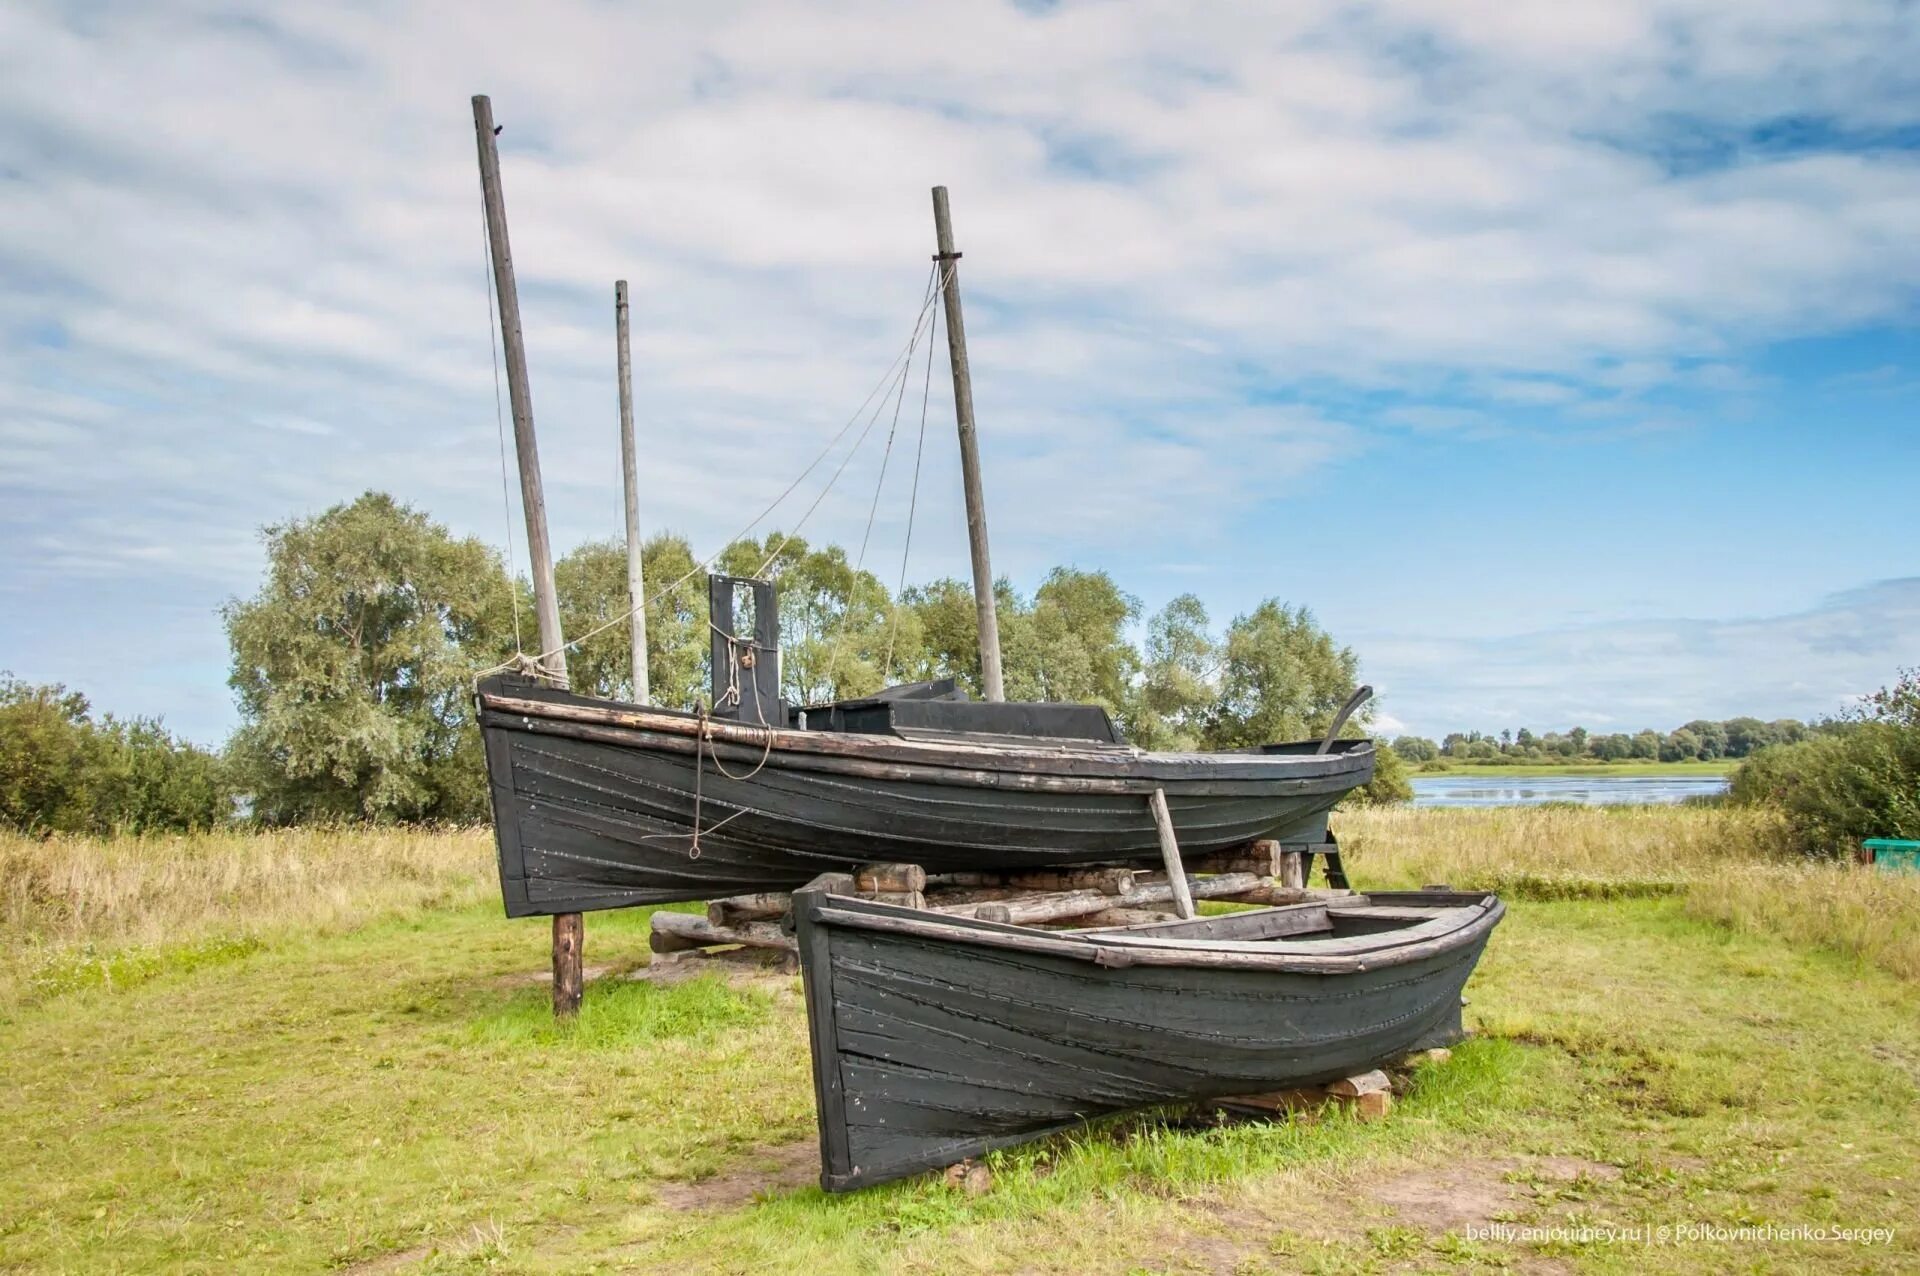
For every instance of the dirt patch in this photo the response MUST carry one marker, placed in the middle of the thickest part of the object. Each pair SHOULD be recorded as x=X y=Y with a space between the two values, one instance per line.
x=541 y=978
x=673 y=968
x=1565 y=1169
x=1448 y=1197
x=781 y=1169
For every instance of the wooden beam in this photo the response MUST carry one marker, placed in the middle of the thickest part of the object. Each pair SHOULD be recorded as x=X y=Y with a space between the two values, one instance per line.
x=735 y=909
x=992 y=685
x=1170 y=853
x=568 y=928
x=889 y=877
x=1028 y=910
x=679 y=932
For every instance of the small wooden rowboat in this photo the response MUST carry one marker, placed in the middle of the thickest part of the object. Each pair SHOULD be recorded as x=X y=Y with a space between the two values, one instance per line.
x=936 y=1038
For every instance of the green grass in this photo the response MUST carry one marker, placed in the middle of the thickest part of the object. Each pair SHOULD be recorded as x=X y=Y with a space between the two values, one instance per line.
x=1536 y=770
x=398 y=1095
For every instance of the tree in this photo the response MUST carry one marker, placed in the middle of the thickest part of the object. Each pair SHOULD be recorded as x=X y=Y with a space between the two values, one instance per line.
x=1416 y=749
x=592 y=584
x=949 y=630
x=1578 y=739
x=1897 y=704
x=1070 y=644
x=354 y=666
x=1169 y=710
x=1712 y=737
x=1282 y=678
x=63 y=772
x=1681 y=746
x=1837 y=787
x=1616 y=747
x=839 y=633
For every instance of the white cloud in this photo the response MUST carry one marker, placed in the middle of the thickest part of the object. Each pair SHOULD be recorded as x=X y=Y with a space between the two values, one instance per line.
x=244 y=275
x=1657 y=673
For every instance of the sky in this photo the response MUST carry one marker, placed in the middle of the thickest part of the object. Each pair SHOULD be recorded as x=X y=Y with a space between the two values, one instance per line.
x=1565 y=359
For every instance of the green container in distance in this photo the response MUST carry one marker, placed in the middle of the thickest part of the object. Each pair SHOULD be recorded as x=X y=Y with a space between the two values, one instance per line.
x=1893 y=854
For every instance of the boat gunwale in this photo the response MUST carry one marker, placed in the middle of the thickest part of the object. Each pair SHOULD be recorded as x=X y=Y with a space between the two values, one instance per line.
x=1474 y=922
x=1132 y=769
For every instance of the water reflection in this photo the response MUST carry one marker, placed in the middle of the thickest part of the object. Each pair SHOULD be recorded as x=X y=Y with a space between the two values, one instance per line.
x=1588 y=790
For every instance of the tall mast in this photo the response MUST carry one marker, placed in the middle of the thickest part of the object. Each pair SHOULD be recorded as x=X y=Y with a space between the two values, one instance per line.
x=992 y=684
x=567 y=927
x=630 y=471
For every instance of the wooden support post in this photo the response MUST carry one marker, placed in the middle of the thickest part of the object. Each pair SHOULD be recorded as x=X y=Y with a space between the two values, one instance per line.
x=568 y=929
x=1170 y=853
x=630 y=471
x=1293 y=870
x=568 y=932
x=992 y=684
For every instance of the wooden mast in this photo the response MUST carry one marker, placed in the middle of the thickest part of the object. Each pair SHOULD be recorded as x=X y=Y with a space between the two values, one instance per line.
x=992 y=684
x=567 y=927
x=630 y=471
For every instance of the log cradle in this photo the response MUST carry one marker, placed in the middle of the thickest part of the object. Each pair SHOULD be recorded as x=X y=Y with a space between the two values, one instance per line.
x=936 y=1037
x=599 y=804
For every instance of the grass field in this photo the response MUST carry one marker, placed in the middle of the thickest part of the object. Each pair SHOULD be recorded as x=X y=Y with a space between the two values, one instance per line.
x=329 y=1052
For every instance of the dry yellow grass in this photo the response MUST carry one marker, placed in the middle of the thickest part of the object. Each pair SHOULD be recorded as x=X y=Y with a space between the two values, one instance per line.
x=76 y=911
x=1555 y=850
x=1868 y=913
x=68 y=902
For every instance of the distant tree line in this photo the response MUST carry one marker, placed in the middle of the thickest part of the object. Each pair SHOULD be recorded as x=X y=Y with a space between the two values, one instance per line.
x=1699 y=740
x=63 y=770
x=353 y=665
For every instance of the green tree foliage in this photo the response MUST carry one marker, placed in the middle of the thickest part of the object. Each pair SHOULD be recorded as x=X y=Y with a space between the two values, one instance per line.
x=1389 y=783
x=949 y=632
x=1282 y=677
x=354 y=664
x=1415 y=749
x=1176 y=689
x=1070 y=643
x=591 y=582
x=1698 y=741
x=1857 y=778
x=61 y=771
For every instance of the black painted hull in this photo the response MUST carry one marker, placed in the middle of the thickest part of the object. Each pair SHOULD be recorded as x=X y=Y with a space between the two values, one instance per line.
x=598 y=805
x=928 y=1050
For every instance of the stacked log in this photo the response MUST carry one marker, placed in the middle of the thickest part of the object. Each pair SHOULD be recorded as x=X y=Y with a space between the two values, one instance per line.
x=1082 y=896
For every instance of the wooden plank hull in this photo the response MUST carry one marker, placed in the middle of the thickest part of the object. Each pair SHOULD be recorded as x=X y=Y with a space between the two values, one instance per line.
x=608 y=806
x=931 y=1047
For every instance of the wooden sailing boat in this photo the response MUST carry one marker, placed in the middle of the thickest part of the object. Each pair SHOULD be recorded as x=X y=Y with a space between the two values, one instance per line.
x=599 y=804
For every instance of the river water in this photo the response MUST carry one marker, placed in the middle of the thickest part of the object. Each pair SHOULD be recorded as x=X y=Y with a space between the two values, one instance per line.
x=1588 y=790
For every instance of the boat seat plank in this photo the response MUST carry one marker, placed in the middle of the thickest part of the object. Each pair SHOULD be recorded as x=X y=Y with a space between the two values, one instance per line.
x=1451 y=919
x=1389 y=912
